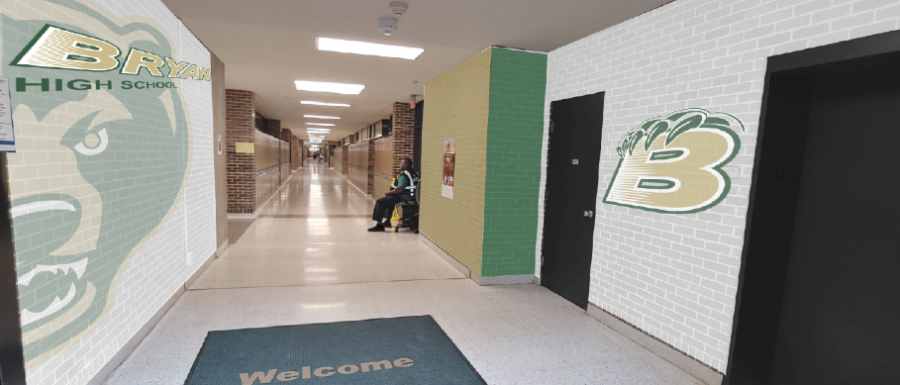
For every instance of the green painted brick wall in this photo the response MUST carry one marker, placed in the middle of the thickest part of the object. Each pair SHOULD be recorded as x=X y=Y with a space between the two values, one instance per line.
x=515 y=130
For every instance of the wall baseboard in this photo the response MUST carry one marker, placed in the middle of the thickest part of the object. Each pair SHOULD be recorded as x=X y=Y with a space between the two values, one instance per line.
x=445 y=255
x=537 y=280
x=224 y=246
x=107 y=370
x=194 y=277
x=258 y=209
x=481 y=281
x=695 y=368
x=503 y=279
x=349 y=183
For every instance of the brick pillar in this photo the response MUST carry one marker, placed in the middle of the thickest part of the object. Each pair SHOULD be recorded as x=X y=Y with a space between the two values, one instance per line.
x=240 y=132
x=370 y=178
x=345 y=161
x=404 y=135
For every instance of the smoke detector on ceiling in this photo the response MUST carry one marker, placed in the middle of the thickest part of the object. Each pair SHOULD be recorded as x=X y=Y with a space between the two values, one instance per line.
x=399 y=7
x=388 y=25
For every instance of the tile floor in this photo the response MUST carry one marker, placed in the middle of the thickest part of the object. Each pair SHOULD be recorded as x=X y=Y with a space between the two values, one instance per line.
x=307 y=259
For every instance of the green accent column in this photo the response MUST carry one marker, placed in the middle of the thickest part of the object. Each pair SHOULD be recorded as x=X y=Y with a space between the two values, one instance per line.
x=512 y=181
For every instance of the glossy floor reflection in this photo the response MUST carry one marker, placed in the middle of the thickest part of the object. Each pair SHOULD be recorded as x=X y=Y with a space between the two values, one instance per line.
x=308 y=259
x=313 y=232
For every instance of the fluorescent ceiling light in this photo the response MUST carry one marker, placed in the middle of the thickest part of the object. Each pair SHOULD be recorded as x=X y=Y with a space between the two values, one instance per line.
x=320 y=124
x=324 y=104
x=320 y=117
x=337 y=88
x=363 y=48
x=318 y=132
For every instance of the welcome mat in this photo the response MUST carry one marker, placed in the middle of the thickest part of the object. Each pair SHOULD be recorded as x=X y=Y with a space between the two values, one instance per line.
x=390 y=351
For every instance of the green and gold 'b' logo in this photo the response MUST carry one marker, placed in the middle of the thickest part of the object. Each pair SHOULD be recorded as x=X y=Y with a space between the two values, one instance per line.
x=673 y=164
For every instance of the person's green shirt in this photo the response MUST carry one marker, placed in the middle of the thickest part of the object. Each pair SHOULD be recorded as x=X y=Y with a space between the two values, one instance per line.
x=403 y=181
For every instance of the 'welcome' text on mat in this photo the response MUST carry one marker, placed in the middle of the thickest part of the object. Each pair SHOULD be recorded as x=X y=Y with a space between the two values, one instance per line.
x=401 y=351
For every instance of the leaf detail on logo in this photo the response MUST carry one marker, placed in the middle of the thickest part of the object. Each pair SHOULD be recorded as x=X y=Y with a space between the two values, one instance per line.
x=715 y=122
x=658 y=129
x=631 y=139
x=685 y=124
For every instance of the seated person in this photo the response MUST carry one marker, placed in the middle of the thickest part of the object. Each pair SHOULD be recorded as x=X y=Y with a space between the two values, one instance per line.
x=403 y=191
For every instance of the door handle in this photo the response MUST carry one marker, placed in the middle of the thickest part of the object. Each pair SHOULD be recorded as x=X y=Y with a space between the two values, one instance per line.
x=588 y=214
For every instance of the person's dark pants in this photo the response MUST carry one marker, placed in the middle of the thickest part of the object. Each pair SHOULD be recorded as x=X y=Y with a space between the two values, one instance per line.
x=384 y=208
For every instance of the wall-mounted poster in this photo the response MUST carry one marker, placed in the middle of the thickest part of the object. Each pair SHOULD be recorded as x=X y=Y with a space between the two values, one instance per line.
x=449 y=165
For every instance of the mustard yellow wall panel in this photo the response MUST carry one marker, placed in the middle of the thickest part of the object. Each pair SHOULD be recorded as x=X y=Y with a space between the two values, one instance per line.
x=457 y=109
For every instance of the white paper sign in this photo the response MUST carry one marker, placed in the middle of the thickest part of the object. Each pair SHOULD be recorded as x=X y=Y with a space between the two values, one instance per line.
x=7 y=138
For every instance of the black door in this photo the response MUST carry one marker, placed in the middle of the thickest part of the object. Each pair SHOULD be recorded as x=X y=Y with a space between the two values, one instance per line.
x=417 y=140
x=840 y=317
x=573 y=162
x=12 y=363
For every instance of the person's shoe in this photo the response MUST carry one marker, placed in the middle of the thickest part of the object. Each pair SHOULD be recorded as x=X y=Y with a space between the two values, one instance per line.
x=378 y=227
x=387 y=225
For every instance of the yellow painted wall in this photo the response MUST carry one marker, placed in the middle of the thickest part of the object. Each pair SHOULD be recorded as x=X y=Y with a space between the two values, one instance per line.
x=457 y=108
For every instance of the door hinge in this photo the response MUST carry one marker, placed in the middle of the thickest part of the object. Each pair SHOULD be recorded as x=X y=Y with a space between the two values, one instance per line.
x=551 y=126
x=542 y=261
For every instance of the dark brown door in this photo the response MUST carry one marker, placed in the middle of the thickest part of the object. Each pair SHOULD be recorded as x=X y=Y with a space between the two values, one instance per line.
x=573 y=161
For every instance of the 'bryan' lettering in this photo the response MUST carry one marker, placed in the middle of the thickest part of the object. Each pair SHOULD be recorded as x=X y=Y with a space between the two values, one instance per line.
x=54 y=47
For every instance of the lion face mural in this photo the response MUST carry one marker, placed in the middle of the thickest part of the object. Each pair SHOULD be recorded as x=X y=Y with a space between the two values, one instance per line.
x=99 y=167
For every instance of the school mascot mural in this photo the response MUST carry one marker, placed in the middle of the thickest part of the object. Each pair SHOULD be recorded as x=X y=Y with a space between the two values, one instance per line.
x=101 y=161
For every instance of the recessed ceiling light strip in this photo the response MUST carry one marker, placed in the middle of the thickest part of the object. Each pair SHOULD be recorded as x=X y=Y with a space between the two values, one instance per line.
x=364 y=48
x=337 y=88
x=314 y=103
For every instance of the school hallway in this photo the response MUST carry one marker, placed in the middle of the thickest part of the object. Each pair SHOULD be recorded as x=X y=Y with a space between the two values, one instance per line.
x=307 y=258
x=612 y=192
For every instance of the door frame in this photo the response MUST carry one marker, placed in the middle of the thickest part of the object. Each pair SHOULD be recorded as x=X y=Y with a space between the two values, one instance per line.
x=773 y=192
x=12 y=361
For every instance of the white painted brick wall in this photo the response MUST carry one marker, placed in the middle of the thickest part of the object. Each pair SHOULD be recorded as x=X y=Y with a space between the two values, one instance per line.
x=159 y=269
x=675 y=276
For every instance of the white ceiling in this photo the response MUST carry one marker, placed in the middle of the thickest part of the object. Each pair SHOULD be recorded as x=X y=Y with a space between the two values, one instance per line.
x=267 y=44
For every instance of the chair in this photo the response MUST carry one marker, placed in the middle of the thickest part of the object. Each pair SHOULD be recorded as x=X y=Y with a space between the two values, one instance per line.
x=410 y=210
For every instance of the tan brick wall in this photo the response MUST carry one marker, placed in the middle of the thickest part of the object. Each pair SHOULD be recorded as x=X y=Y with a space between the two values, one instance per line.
x=404 y=134
x=457 y=109
x=239 y=128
